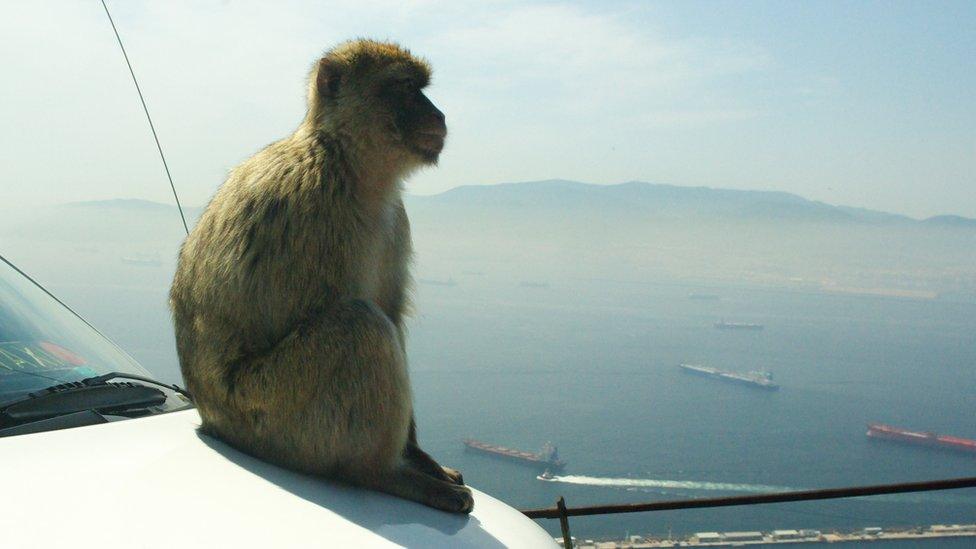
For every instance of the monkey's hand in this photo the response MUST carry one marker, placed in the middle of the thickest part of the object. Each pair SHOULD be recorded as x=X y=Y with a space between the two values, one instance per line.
x=453 y=475
x=423 y=462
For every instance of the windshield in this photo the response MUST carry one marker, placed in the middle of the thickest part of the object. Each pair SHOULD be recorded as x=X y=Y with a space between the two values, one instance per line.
x=43 y=343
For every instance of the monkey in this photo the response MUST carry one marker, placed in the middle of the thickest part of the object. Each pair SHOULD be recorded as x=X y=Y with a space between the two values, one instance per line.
x=290 y=292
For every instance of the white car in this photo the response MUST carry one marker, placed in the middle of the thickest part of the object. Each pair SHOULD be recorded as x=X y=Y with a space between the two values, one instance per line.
x=95 y=453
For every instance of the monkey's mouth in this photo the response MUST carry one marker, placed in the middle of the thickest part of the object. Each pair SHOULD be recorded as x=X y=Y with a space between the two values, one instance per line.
x=430 y=143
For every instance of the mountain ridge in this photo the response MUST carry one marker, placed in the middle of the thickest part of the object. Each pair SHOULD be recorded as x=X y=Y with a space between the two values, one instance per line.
x=659 y=198
x=630 y=196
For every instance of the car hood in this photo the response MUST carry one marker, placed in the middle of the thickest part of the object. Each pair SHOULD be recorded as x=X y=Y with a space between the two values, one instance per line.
x=157 y=482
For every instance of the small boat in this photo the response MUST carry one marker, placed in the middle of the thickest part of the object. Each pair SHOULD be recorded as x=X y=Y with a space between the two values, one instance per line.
x=450 y=282
x=723 y=325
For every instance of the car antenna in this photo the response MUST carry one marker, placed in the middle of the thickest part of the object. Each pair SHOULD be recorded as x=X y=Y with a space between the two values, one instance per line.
x=149 y=118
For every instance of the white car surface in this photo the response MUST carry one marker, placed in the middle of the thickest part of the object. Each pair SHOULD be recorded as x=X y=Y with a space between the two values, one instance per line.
x=156 y=482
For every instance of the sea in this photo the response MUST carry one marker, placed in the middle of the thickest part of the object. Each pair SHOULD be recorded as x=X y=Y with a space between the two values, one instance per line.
x=591 y=365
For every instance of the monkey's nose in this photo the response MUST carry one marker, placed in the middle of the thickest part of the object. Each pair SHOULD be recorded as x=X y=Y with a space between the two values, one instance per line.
x=440 y=116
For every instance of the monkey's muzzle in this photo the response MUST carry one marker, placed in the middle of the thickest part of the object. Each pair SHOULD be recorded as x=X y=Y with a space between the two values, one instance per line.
x=431 y=141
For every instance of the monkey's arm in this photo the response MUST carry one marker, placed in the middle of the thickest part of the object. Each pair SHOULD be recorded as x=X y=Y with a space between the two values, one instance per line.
x=424 y=462
x=396 y=304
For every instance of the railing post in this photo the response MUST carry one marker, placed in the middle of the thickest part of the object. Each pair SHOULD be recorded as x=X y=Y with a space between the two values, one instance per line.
x=564 y=523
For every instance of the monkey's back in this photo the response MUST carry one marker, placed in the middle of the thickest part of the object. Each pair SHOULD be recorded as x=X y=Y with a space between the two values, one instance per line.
x=265 y=254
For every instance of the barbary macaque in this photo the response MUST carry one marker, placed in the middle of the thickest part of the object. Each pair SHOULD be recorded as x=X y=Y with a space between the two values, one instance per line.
x=290 y=293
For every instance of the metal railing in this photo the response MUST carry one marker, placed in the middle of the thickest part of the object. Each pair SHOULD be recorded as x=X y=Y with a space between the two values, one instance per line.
x=561 y=512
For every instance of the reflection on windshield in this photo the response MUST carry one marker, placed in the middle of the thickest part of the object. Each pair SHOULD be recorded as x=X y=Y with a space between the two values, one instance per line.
x=43 y=343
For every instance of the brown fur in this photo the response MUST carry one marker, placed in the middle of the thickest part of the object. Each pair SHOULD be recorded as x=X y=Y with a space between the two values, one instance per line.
x=289 y=296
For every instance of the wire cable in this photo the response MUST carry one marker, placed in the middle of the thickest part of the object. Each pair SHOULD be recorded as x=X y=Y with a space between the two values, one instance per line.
x=149 y=118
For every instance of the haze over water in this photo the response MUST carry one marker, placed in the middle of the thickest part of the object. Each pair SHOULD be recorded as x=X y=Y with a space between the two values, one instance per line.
x=565 y=319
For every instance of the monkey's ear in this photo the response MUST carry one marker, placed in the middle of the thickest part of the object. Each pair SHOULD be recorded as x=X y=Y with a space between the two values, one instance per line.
x=328 y=77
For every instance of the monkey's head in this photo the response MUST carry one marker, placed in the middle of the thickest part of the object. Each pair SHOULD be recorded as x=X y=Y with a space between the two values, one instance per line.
x=369 y=95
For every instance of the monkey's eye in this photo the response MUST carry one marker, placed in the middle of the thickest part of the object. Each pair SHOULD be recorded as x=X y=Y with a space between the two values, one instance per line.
x=401 y=92
x=405 y=86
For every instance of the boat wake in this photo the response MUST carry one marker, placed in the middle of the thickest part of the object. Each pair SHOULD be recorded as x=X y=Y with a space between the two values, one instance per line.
x=678 y=487
x=665 y=484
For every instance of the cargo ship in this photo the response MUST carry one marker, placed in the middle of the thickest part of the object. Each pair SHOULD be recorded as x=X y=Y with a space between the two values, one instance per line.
x=762 y=380
x=723 y=325
x=887 y=432
x=548 y=457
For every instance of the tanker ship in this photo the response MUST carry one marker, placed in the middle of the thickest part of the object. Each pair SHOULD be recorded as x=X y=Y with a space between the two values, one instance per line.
x=548 y=457
x=762 y=380
x=887 y=432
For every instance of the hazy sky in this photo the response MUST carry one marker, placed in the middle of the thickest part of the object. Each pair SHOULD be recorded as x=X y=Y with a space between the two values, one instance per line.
x=859 y=103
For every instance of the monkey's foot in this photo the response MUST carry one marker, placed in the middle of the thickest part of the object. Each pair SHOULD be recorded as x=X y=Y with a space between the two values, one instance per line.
x=453 y=475
x=416 y=485
x=456 y=500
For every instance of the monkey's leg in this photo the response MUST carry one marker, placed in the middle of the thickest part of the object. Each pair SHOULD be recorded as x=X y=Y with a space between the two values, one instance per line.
x=333 y=398
x=426 y=464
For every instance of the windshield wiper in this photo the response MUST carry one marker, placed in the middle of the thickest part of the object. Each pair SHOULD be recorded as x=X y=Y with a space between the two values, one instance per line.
x=122 y=375
x=93 y=393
